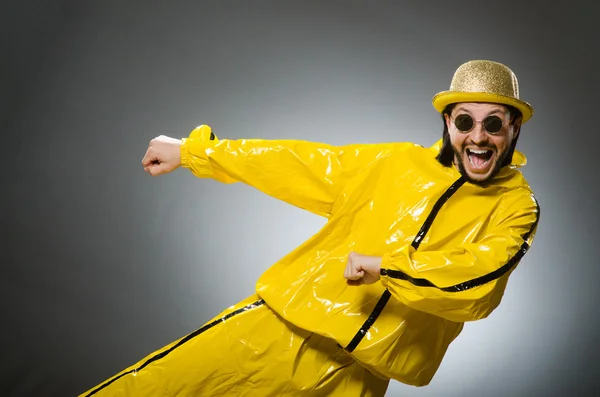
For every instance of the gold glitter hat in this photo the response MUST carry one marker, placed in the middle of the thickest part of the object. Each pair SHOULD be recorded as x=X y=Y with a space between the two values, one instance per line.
x=483 y=81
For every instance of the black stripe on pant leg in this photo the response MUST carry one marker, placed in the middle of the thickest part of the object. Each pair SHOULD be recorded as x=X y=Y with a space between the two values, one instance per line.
x=160 y=355
x=385 y=297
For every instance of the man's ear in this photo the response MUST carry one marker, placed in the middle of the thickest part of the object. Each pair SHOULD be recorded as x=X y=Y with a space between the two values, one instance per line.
x=447 y=120
x=517 y=127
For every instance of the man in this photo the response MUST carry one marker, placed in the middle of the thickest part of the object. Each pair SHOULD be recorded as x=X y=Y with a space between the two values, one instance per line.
x=418 y=241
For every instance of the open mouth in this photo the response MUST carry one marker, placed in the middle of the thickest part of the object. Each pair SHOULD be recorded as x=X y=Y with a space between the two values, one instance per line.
x=479 y=159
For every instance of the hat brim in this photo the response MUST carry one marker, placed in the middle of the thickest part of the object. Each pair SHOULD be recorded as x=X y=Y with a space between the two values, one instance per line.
x=444 y=98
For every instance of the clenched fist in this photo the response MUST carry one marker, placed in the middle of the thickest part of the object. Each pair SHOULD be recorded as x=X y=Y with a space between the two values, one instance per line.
x=362 y=269
x=163 y=155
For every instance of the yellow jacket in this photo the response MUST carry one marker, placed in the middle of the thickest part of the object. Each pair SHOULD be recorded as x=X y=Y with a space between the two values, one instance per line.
x=448 y=246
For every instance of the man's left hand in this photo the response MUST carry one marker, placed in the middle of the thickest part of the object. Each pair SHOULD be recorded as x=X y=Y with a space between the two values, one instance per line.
x=362 y=269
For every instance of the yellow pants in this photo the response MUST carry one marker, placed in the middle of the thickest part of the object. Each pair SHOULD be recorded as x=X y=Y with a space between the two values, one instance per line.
x=247 y=350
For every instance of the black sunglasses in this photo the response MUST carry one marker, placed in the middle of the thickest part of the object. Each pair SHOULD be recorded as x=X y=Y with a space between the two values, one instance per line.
x=465 y=123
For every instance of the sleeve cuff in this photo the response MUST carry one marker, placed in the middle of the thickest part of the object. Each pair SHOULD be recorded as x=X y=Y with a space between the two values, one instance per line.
x=386 y=263
x=197 y=141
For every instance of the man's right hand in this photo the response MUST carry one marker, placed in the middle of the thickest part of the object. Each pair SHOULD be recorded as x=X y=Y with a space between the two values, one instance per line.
x=163 y=155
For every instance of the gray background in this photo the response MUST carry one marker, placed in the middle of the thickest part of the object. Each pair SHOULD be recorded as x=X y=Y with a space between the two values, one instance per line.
x=102 y=264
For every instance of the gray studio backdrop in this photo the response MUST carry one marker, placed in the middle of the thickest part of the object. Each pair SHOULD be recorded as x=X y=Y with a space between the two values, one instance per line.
x=102 y=264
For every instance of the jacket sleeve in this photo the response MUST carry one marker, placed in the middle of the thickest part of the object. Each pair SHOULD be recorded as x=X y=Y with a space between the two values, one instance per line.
x=465 y=283
x=308 y=175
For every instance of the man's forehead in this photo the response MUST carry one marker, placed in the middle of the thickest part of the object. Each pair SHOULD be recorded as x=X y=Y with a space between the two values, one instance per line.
x=478 y=106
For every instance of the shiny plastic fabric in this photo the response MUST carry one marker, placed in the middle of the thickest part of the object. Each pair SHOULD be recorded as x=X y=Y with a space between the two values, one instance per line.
x=448 y=246
x=247 y=350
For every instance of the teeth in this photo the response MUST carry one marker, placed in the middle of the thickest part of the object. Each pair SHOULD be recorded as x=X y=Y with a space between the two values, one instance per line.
x=478 y=151
x=479 y=166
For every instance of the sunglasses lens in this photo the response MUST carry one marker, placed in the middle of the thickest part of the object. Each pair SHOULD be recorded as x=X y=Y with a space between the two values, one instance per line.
x=493 y=124
x=463 y=122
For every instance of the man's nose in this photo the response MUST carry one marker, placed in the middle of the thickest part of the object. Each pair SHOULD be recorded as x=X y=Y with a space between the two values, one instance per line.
x=478 y=134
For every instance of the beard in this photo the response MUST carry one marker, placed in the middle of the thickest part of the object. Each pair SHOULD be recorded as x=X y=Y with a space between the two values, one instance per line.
x=500 y=160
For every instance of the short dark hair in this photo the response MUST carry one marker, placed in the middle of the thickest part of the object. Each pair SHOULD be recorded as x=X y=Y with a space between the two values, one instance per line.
x=446 y=154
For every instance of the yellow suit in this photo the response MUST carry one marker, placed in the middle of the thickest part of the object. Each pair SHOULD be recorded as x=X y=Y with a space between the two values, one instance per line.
x=448 y=248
